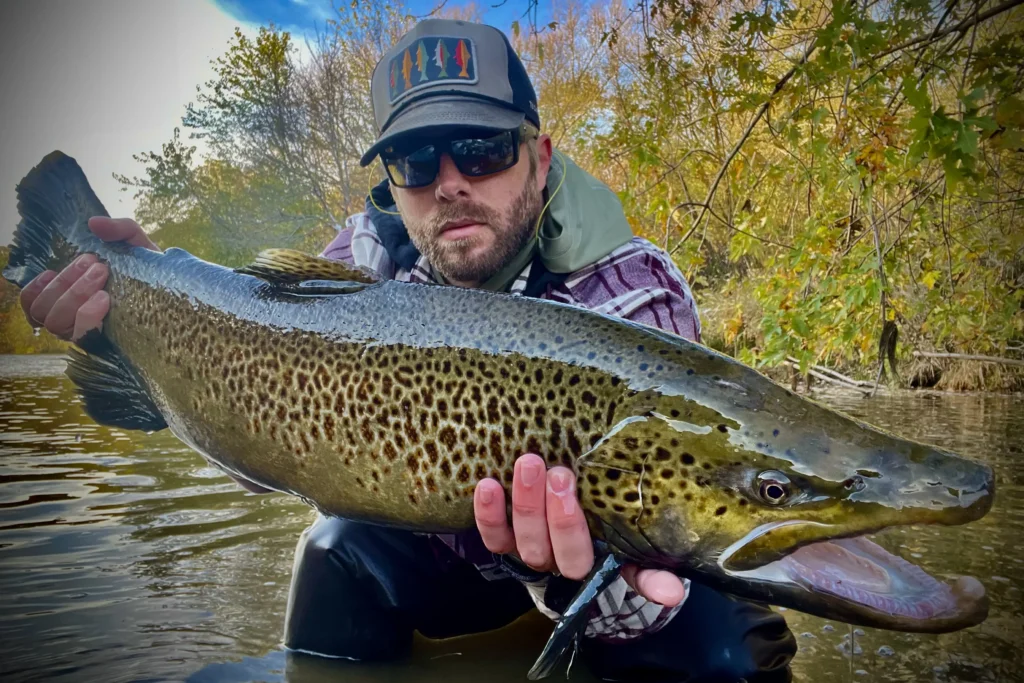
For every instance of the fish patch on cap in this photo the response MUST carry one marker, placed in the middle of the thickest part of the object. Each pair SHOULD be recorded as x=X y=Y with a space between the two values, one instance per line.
x=431 y=61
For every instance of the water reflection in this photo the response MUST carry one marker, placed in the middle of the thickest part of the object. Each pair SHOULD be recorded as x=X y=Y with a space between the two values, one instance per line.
x=127 y=557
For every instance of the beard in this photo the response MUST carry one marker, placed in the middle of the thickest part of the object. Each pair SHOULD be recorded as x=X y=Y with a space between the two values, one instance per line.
x=455 y=259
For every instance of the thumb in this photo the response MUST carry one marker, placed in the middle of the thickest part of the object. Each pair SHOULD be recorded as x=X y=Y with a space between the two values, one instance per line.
x=656 y=585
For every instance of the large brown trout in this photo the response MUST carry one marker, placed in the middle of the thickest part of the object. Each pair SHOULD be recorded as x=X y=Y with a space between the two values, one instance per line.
x=387 y=402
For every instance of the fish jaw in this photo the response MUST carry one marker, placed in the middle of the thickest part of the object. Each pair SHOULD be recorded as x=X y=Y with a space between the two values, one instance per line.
x=856 y=581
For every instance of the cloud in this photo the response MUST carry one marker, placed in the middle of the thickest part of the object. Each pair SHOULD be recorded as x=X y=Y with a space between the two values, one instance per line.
x=100 y=81
x=297 y=16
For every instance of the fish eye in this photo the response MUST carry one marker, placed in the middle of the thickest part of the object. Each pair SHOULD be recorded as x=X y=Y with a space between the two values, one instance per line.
x=773 y=487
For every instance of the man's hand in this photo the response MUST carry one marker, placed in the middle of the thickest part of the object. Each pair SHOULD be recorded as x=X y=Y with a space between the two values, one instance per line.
x=72 y=302
x=549 y=531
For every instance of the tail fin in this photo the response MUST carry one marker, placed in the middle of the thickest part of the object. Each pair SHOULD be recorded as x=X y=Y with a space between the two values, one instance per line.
x=55 y=203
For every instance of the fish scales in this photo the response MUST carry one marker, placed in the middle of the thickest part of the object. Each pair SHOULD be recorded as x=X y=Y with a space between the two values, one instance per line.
x=390 y=426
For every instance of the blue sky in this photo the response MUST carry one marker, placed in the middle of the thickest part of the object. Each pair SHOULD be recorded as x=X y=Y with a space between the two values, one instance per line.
x=303 y=15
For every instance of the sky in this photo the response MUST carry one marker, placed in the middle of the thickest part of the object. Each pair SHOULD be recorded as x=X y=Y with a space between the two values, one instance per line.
x=105 y=79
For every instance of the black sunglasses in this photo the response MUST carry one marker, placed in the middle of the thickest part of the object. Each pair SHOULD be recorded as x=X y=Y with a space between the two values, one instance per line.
x=472 y=156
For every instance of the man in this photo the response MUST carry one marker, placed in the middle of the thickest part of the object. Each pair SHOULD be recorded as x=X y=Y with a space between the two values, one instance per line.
x=477 y=197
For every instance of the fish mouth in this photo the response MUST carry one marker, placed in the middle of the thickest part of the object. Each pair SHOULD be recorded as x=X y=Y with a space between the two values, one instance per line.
x=857 y=581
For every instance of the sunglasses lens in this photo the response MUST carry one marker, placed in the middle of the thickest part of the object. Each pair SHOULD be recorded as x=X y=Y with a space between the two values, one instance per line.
x=477 y=157
x=472 y=156
x=413 y=170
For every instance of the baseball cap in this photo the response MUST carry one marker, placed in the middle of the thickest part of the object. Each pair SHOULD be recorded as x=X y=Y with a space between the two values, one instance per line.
x=446 y=74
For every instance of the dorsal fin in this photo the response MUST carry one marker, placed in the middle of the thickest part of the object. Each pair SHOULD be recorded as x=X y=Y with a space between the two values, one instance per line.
x=289 y=269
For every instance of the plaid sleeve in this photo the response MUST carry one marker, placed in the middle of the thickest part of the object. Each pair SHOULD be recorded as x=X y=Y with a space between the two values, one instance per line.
x=619 y=613
x=640 y=282
x=358 y=243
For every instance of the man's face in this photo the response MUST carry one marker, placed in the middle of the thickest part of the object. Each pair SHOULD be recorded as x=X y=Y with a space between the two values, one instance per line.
x=470 y=228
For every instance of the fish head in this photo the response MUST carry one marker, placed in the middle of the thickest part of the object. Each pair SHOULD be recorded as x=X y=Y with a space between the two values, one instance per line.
x=777 y=510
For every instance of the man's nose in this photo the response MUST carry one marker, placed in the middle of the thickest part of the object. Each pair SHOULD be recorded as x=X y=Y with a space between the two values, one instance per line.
x=451 y=184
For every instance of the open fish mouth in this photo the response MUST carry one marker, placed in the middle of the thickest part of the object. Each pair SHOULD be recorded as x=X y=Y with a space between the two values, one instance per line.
x=858 y=581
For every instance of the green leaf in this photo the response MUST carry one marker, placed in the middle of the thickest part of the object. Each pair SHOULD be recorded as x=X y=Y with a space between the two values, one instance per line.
x=967 y=141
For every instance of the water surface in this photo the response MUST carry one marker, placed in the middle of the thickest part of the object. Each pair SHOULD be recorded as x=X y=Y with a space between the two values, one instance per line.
x=126 y=557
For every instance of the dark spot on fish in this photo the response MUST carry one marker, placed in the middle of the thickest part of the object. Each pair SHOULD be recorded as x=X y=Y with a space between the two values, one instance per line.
x=662 y=454
x=431 y=450
x=631 y=443
x=447 y=437
x=618 y=508
x=775 y=432
x=598 y=503
x=412 y=499
x=743 y=501
x=589 y=399
x=610 y=491
x=702 y=481
x=720 y=511
x=413 y=464
x=688 y=496
x=687 y=459
x=463 y=475
x=689 y=371
x=655 y=499
x=643 y=367
x=574 y=380
x=706 y=466
x=593 y=478
x=619 y=455
x=631 y=496
x=667 y=474
x=613 y=474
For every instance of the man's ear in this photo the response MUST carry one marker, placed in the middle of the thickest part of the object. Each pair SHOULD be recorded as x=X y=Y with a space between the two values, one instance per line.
x=544 y=150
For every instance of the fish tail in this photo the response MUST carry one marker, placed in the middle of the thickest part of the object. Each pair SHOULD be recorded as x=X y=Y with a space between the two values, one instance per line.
x=55 y=203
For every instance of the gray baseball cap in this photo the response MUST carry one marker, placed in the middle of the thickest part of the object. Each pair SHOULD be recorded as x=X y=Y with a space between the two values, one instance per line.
x=446 y=74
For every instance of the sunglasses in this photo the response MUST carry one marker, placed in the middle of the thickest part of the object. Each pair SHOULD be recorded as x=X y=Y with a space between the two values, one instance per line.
x=473 y=157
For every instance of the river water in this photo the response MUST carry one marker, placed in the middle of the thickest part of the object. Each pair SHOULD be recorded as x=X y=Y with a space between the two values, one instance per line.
x=126 y=557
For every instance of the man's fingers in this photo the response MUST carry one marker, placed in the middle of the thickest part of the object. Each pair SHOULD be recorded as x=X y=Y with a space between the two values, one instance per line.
x=63 y=316
x=32 y=291
x=492 y=518
x=91 y=314
x=529 y=519
x=118 y=229
x=656 y=585
x=40 y=309
x=567 y=527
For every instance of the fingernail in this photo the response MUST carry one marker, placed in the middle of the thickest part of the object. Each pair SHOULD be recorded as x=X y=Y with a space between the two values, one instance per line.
x=559 y=484
x=559 y=481
x=95 y=272
x=530 y=472
x=486 y=496
x=82 y=261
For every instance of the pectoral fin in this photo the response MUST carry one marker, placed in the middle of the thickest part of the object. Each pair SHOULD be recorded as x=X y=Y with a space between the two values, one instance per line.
x=111 y=392
x=302 y=273
x=574 y=618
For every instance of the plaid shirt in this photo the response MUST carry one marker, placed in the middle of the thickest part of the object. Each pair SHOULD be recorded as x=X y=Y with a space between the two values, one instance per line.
x=638 y=281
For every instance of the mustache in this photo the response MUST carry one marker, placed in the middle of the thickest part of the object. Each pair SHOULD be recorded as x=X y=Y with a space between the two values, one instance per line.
x=465 y=211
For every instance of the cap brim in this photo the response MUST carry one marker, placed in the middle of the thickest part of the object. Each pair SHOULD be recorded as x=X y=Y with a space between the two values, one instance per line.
x=438 y=114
